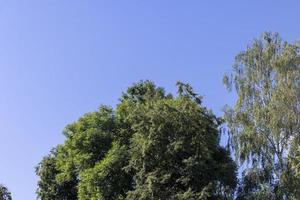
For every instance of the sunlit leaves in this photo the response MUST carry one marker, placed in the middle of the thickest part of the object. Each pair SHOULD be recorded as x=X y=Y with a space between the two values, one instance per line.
x=264 y=122
x=151 y=146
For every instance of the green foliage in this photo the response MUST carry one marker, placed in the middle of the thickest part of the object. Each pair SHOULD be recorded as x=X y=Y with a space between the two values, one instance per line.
x=4 y=193
x=48 y=186
x=106 y=180
x=152 y=146
x=175 y=150
x=256 y=185
x=264 y=122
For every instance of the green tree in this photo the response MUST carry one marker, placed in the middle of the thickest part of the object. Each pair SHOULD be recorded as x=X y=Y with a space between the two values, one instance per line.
x=264 y=123
x=175 y=150
x=151 y=146
x=4 y=193
x=48 y=186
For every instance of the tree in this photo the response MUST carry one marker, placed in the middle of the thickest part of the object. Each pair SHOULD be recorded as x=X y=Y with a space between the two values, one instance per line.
x=175 y=150
x=264 y=123
x=151 y=146
x=49 y=187
x=4 y=193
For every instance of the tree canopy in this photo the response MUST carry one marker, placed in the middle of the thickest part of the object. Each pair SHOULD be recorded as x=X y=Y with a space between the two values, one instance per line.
x=265 y=121
x=158 y=146
x=151 y=146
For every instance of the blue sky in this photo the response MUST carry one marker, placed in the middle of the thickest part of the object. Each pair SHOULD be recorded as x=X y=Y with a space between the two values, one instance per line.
x=62 y=58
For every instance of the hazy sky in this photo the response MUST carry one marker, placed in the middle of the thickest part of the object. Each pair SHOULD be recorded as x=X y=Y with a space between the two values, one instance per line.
x=62 y=58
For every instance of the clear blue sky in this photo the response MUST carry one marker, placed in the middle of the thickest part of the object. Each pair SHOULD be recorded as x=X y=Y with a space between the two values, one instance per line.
x=62 y=58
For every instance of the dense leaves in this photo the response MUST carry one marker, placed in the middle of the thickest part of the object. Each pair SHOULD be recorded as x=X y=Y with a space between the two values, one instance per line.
x=152 y=146
x=264 y=122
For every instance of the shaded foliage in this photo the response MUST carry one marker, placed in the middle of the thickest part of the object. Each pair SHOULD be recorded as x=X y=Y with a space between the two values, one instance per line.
x=49 y=187
x=4 y=193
